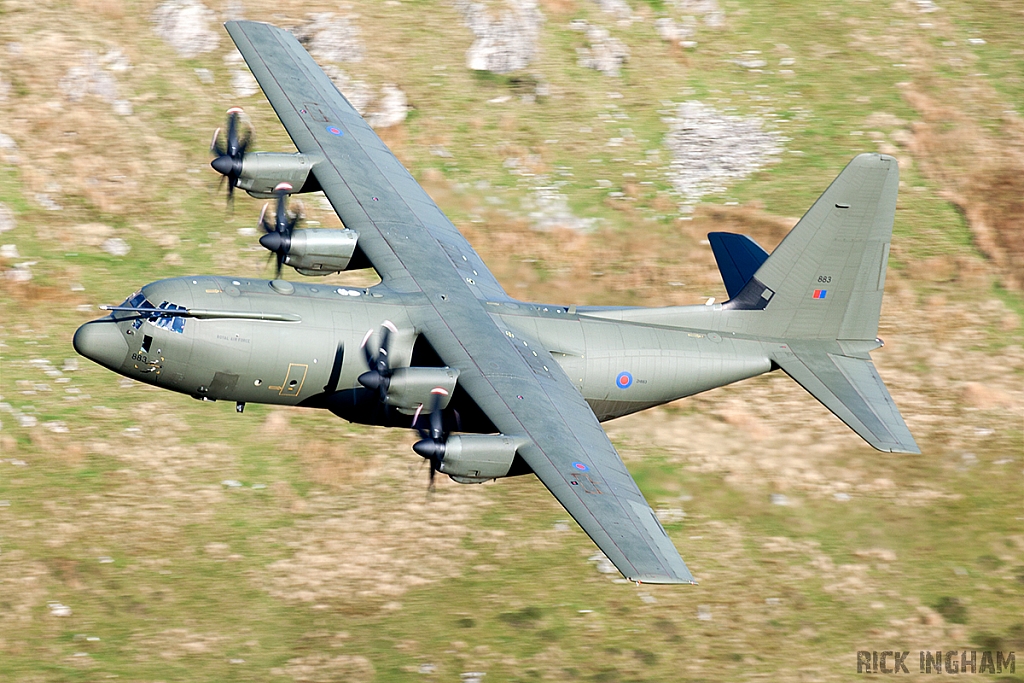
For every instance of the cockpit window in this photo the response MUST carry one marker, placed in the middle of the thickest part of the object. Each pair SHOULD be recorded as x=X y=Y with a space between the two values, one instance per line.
x=168 y=322
x=173 y=323
x=134 y=301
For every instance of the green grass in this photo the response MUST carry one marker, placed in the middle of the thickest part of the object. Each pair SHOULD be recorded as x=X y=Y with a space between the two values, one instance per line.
x=197 y=578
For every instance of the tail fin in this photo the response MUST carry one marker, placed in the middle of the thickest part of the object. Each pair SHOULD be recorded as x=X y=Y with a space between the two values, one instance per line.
x=814 y=302
x=820 y=295
x=825 y=280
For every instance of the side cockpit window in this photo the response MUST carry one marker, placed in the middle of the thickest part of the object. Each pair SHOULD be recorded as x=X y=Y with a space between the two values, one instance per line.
x=174 y=323
x=166 y=321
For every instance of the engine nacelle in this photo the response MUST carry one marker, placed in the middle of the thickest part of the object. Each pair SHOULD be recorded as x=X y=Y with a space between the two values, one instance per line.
x=476 y=458
x=321 y=251
x=263 y=171
x=410 y=388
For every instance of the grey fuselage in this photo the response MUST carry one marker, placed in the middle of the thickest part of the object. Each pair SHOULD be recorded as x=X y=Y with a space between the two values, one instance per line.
x=315 y=359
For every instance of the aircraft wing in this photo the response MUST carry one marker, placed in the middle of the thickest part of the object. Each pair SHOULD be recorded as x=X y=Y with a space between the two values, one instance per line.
x=571 y=454
x=415 y=248
x=369 y=188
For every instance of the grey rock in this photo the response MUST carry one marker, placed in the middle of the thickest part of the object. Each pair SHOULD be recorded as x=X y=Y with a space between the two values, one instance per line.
x=549 y=209
x=391 y=109
x=59 y=610
x=92 y=76
x=6 y=218
x=188 y=26
x=330 y=38
x=620 y=8
x=709 y=10
x=46 y=201
x=604 y=52
x=20 y=273
x=751 y=62
x=710 y=149
x=116 y=61
x=115 y=246
x=504 y=44
x=603 y=564
x=243 y=84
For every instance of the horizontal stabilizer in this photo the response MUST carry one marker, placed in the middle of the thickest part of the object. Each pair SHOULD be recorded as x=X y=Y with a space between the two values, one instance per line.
x=851 y=388
x=738 y=258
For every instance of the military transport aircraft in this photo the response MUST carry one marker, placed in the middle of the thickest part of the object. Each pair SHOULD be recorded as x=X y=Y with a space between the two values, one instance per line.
x=497 y=387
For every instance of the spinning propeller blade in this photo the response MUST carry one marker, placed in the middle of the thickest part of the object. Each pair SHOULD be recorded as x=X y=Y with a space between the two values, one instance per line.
x=379 y=374
x=431 y=445
x=231 y=150
x=278 y=237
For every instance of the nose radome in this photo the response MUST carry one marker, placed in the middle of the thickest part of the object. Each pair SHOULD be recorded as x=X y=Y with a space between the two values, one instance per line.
x=103 y=342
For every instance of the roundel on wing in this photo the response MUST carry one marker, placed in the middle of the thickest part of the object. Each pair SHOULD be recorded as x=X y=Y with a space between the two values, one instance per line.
x=580 y=466
x=624 y=380
x=334 y=130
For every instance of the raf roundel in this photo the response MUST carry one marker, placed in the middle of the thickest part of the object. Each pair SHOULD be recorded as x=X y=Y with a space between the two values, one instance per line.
x=334 y=130
x=624 y=380
x=580 y=467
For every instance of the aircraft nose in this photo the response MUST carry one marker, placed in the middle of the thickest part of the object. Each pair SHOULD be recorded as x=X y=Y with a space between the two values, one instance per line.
x=103 y=342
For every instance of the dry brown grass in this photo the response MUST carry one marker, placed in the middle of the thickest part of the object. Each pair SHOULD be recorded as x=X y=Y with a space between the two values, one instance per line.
x=982 y=173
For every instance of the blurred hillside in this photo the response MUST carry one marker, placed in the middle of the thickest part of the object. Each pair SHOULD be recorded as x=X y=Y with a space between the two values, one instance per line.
x=585 y=148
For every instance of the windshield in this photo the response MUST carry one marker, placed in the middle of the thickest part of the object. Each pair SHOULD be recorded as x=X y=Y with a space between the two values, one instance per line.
x=134 y=301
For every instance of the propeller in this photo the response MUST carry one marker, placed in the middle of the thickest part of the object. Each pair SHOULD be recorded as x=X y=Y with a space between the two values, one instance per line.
x=431 y=445
x=379 y=375
x=278 y=237
x=230 y=150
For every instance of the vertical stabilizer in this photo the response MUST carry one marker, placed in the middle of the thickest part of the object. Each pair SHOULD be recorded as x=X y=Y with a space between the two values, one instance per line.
x=825 y=280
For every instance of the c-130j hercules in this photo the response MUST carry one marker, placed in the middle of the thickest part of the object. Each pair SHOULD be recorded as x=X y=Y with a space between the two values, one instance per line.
x=498 y=387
